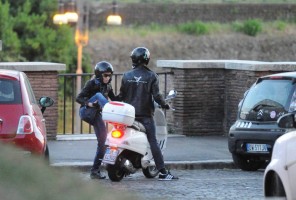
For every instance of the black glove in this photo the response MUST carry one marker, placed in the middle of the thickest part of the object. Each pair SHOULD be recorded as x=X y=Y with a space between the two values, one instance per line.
x=166 y=106
x=96 y=104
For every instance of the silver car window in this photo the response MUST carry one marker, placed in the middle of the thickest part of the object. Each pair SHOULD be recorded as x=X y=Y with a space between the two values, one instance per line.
x=270 y=96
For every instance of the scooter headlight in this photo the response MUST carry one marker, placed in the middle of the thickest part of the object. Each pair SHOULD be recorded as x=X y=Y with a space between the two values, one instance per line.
x=117 y=133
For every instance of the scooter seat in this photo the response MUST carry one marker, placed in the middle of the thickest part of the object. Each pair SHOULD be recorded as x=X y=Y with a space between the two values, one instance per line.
x=138 y=126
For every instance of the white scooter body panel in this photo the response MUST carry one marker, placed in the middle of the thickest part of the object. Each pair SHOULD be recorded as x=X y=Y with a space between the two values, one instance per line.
x=136 y=141
x=132 y=140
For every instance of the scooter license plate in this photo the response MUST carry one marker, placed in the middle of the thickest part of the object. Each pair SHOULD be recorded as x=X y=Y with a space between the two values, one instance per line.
x=110 y=155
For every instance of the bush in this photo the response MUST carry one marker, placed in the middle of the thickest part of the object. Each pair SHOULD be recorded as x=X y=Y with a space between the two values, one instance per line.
x=252 y=27
x=193 y=28
x=280 y=25
x=30 y=178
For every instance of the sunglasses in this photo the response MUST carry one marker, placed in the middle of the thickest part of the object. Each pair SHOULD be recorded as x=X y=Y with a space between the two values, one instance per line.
x=107 y=75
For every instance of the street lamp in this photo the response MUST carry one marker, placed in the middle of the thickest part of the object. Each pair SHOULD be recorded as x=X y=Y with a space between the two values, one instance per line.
x=60 y=18
x=67 y=15
x=70 y=13
x=114 y=18
x=81 y=39
x=81 y=36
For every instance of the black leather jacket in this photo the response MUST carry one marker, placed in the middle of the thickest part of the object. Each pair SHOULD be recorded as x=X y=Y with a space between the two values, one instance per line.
x=139 y=87
x=91 y=87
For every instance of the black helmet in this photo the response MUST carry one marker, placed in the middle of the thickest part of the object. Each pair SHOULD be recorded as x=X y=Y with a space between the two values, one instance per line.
x=102 y=67
x=140 y=56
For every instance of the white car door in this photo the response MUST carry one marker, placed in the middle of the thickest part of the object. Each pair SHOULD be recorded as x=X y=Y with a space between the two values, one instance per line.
x=291 y=165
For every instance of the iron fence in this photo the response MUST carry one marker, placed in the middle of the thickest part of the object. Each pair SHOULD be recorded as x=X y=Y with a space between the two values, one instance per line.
x=67 y=99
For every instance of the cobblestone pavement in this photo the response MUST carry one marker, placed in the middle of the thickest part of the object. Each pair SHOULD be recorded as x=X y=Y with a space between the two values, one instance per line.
x=192 y=184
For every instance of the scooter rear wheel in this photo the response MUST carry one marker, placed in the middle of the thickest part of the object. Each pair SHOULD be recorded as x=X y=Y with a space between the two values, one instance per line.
x=115 y=173
x=150 y=172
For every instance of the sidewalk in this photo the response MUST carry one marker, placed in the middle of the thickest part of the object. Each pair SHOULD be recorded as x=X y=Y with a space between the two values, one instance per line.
x=182 y=152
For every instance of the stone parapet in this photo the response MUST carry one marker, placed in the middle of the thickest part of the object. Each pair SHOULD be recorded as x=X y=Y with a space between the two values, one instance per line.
x=210 y=90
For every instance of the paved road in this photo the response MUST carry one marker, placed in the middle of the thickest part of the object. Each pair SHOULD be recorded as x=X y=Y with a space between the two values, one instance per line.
x=210 y=181
x=80 y=150
x=193 y=184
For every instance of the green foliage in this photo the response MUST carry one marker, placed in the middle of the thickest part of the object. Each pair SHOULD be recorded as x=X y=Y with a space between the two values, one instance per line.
x=11 y=42
x=280 y=25
x=30 y=178
x=193 y=28
x=237 y=26
x=155 y=27
x=252 y=27
x=28 y=34
x=249 y=27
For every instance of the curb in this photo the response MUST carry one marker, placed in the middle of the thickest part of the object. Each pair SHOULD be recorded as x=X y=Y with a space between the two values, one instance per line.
x=207 y=164
x=92 y=136
x=178 y=165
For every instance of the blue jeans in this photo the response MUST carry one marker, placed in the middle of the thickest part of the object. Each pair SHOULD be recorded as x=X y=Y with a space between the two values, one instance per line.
x=149 y=125
x=100 y=131
x=100 y=98
x=101 y=134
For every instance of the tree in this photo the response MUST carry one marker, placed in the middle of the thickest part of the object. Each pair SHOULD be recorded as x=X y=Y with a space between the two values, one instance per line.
x=11 y=46
x=28 y=33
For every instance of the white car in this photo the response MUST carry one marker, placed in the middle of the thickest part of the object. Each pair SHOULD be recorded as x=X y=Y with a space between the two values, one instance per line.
x=280 y=174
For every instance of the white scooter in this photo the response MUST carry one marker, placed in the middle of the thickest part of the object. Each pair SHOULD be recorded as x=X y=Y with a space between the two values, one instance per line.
x=127 y=146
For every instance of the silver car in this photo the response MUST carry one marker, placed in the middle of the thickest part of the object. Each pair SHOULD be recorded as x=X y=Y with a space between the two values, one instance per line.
x=252 y=137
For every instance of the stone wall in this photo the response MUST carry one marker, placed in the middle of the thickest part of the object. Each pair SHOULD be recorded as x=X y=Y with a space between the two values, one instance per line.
x=147 y=13
x=209 y=91
x=46 y=84
x=206 y=90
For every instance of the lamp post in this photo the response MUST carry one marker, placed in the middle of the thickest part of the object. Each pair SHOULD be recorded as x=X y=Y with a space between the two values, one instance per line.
x=81 y=39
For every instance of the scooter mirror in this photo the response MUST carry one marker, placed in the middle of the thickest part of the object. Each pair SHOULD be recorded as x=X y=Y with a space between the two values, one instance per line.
x=172 y=94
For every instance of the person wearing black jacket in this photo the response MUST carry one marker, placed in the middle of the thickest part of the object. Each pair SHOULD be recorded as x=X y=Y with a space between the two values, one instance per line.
x=140 y=88
x=92 y=98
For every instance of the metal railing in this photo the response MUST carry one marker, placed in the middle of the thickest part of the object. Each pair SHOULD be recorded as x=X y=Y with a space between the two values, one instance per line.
x=67 y=96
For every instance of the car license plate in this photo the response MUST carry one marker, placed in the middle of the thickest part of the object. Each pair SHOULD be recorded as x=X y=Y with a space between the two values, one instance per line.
x=110 y=155
x=257 y=148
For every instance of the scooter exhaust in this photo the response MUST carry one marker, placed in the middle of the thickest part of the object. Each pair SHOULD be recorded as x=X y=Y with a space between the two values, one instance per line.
x=128 y=165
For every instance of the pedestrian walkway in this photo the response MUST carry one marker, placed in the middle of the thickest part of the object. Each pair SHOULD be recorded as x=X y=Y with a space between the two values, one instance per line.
x=182 y=152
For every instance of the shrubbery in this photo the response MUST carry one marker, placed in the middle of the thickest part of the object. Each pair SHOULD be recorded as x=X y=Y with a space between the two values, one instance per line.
x=249 y=27
x=194 y=28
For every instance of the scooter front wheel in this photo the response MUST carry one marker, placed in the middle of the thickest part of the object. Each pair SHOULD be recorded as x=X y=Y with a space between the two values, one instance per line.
x=150 y=172
x=115 y=173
